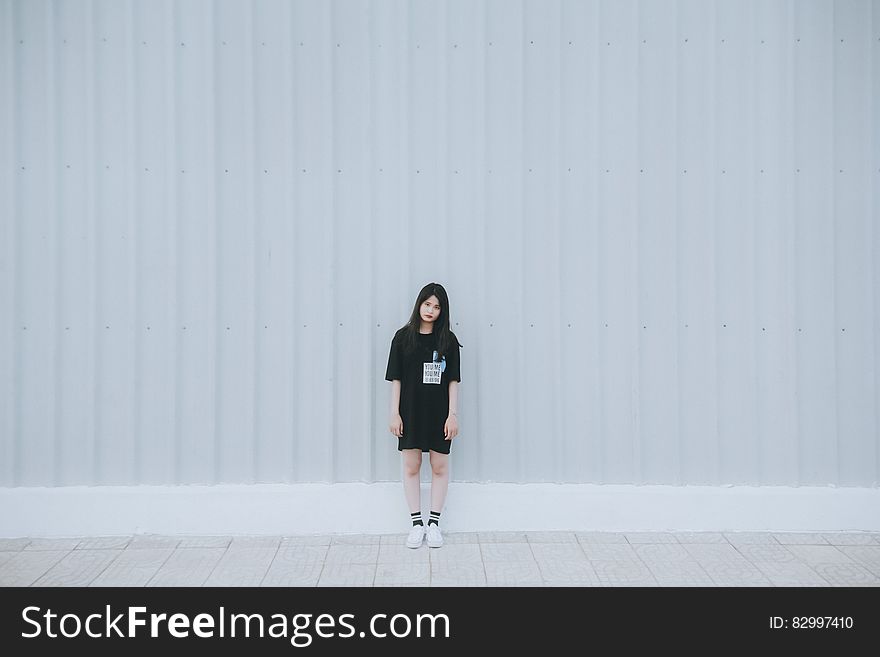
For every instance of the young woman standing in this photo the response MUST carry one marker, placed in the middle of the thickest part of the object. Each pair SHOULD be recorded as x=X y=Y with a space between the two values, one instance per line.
x=423 y=367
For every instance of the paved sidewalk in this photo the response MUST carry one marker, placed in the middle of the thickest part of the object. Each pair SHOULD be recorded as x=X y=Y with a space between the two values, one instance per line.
x=709 y=559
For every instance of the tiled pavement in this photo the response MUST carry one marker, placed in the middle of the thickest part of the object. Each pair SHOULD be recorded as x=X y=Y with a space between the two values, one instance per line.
x=708 y=559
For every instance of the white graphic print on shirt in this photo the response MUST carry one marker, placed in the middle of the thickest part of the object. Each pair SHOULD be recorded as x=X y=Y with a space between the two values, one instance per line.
x=431 y=373
x=433 y=370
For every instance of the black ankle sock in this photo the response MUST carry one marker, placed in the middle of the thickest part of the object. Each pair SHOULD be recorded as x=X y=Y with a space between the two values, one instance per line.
x=435 y=518
x=417 y=518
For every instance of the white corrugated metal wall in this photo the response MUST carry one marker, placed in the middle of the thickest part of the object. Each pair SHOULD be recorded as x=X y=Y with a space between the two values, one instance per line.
x=657 y=223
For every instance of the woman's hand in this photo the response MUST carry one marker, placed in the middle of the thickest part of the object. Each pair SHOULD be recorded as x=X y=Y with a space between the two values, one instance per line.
x=396 y=425
x=450 y=429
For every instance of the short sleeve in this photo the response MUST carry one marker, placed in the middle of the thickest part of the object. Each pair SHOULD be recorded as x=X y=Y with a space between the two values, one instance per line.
x=394 y=370
x=453 y=368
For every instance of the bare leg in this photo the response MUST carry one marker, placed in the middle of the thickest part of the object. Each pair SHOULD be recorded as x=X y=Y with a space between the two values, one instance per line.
x=412 y=463
x=439 y=479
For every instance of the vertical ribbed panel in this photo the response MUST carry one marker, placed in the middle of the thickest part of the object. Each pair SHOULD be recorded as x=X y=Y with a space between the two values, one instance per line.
x=656 y=222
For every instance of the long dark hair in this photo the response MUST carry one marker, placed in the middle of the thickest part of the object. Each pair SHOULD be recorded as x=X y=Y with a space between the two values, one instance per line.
x=446 y=339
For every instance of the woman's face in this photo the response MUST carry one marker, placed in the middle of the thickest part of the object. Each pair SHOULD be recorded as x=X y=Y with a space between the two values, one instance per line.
x=430 y=309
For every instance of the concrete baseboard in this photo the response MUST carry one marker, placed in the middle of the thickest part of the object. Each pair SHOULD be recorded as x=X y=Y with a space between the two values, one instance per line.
x=279 y=509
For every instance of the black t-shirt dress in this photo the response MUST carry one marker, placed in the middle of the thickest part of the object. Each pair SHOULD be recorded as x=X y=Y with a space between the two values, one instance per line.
x=424 y=391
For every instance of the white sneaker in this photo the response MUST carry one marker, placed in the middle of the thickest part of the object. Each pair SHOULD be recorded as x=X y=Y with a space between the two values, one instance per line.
x=434 y=537
x=416 y=534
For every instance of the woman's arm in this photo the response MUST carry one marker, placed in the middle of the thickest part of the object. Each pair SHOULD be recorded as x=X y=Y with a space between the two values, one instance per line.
x=395 y=397
x=450 y=428
x=395 y=422
x=453 y=398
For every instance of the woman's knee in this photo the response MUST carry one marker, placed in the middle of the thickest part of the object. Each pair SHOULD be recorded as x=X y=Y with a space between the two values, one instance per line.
x=439 y=464
x=412 y=461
